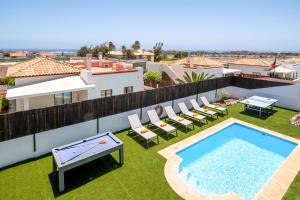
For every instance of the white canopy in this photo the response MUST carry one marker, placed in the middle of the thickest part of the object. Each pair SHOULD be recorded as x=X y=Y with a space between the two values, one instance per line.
x=282 y=70
x=230 y=71
x=66 y=84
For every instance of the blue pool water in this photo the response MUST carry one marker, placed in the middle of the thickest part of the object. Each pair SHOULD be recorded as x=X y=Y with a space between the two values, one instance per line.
x=236 y=159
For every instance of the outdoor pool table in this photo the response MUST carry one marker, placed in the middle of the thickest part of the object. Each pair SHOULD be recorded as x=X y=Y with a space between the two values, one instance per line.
x=72 y=155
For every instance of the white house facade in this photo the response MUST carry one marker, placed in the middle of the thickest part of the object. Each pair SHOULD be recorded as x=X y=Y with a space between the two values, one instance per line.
x=44 y=82
x=176 y=69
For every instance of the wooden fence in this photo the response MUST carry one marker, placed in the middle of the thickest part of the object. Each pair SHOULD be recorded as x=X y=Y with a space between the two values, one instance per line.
x=18 y=124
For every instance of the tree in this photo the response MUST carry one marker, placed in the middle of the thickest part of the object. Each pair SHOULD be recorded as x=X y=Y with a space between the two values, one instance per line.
x=152 y=76
x=111 y=46
x=83 y=51
x=157 y=50
x=123 y=48
x=136 y=45
x=181 y=54
x=129 y=54
x=103 y=48
x=194 y=77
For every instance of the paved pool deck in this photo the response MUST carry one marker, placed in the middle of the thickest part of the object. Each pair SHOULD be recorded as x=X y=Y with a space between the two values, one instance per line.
x=274 y=189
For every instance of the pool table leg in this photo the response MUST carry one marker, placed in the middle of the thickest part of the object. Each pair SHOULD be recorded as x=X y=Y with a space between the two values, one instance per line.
x=54 y=165
x=61 y=180
x=121 y=155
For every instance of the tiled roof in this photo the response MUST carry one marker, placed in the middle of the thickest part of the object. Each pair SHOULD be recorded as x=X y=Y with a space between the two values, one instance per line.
x=293 y=60
x=41 y=67
x=18 y=54
x=3 y=71
x=200 y=61
x=252 y=62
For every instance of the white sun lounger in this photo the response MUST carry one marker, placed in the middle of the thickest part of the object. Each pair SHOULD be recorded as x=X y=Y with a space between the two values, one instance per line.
x=154 y=119
x=202 y=110
x=138 y=128
x=172 y=116
x=193 y=115
x=217 y=108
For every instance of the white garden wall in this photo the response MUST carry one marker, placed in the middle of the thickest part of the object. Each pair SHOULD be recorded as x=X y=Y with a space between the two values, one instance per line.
x=287 y=96
x=22 y=148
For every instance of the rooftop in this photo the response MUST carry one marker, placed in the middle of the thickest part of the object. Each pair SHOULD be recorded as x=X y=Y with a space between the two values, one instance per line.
x=40 y=67
x=141 y=177
x=199 y=61
x=98 y=70
x=253 y=62
x=71 y=83
x=293 y=60
x=140 y=52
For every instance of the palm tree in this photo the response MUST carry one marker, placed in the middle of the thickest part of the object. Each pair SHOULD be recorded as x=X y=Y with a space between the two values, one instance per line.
x=136 y=45
x=124 y=49
x=194 y=78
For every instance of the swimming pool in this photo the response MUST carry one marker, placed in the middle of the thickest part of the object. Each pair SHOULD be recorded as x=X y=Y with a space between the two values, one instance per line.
x=237 y=159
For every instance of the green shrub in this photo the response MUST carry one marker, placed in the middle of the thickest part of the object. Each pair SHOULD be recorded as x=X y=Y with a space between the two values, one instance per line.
x=152 y=76
x=4 y=103
x=7 y=81
x=223 y=95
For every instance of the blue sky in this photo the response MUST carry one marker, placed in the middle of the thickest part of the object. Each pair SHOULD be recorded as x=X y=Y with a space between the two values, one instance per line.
x=183 y=24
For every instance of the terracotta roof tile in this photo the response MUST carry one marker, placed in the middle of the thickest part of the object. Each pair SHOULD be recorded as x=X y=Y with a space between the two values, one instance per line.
x=200 y=61
x=252 y=62
x=293 y=60
x=41 y=67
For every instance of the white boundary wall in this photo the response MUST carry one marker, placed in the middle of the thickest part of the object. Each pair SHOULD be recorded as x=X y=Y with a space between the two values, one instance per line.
x=19 y=149
x=287 y=96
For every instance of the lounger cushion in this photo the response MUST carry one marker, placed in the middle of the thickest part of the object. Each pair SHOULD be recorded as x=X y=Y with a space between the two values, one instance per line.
x=148 y=135
x=191 y=114
x=210 y=112
x=134 y=121
x=153 y=116
x=183 y=121
x=216 y=107
x=167 y=128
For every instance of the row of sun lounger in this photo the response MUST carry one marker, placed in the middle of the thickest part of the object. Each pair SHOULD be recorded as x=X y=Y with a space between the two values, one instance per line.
x=148 y=135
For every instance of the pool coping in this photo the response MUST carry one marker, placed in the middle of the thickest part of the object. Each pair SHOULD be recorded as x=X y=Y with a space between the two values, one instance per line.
x=274 y=189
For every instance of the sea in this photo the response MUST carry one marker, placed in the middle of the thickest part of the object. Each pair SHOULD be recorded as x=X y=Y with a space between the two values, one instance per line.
x=56 y=51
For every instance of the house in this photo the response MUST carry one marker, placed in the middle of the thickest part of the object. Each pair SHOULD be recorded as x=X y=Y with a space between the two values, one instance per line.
x=43 y=82
x=141 y=53
x=17 y=54
x=260 y=67
x=292 y=63
x=176 y=69
x=45 y=54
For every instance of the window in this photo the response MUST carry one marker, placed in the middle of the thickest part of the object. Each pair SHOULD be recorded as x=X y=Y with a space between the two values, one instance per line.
x=128 y=89
x=63 y=98
x=106 y=93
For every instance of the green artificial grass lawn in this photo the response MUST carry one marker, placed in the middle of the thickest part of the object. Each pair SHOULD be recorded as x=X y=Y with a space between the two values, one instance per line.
x=141 y=177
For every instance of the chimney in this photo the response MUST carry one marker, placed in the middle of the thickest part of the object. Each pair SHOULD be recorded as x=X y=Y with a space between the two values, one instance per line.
x=152 y=58
x=88 y=62
x=100 y=57
x=191 y=61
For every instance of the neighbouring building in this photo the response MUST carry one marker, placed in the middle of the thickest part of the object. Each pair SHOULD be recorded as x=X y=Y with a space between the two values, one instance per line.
x=45 y=54
x=141 y=53
x=292 y=64
x=176 y=69
x=260 y=67
x=43 y=82
x=18 y=54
